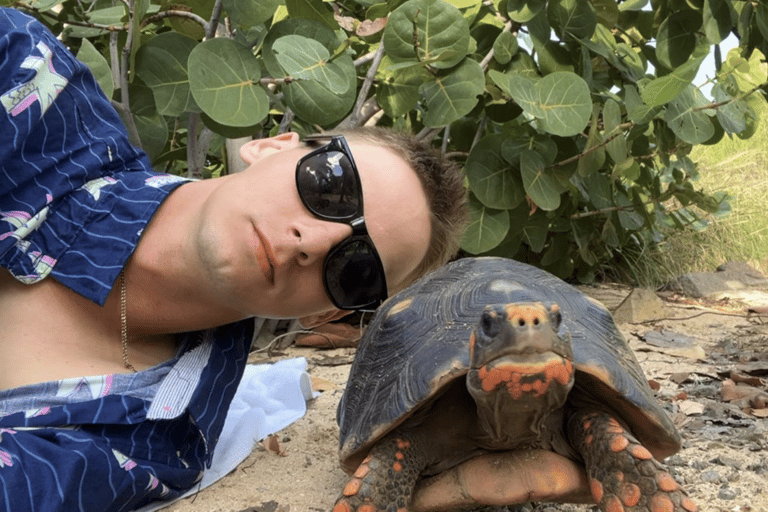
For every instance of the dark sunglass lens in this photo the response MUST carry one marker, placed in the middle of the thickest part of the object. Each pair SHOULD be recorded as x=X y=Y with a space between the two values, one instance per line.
x=353 y=275
x=328 y=185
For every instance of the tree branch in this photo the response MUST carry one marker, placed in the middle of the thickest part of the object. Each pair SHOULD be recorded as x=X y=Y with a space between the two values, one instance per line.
x=619 y=131
x=210 y=27
x=278 y=81
x=354 y=118
x=125 y=100
x=173 y=14
x=285 y=123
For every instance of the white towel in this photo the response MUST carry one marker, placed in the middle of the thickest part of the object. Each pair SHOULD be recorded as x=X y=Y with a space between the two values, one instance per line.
x=269 y=398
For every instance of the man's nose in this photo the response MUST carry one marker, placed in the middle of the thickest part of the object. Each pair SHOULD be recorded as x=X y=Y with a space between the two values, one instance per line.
x=314 y=239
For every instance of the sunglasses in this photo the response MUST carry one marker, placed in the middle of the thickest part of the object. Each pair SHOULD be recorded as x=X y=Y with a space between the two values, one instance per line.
x=329 y=186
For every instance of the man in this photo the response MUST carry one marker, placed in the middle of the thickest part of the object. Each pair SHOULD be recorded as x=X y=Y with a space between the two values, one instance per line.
x=128 y=296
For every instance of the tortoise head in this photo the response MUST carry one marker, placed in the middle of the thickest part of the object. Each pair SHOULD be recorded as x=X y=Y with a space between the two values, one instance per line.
x=521 y=363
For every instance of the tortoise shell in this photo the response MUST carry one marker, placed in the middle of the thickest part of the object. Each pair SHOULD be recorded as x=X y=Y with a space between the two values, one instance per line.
x=418 y=342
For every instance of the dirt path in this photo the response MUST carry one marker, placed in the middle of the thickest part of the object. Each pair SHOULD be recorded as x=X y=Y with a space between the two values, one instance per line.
x=723 y=464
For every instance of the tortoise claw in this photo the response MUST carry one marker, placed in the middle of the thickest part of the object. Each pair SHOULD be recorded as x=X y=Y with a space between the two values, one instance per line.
x=623 y=475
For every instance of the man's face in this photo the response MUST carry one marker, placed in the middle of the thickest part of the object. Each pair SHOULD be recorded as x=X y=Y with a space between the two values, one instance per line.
x=265 y=251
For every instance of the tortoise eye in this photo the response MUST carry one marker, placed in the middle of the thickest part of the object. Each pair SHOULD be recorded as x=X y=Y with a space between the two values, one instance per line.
x=490 y=323
x=556 y=316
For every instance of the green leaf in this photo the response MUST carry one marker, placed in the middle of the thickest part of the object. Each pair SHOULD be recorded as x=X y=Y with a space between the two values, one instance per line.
x=637 y=111
x=153 y=132
x=511 y=148
x=632 y=5
x=676 y=38
x=98 y=66
x=398 y=90
x=565 y=99
x=684 y=117
x=598 y=186
x=593 y=160
x=486 y=228
x=607 y=12
x=440 y=29
x=617 y=147
x=162 y=64
x=452 y=94
x=310 y=100
x=748 y=74
x=761 y=19
x=505 y=47
x=535 y=231
x=523 y=11
x=560 y=101
x=717 y=20
x=629 y=219
x=306 y=58
x=519 y=88
x=574 y=17
x=662 y=90
x=490 y=176
x=249 y=13
x=312 y=10
x=39 y=5
x=734 y=113
x=609 y=235
x=540 y=185
x=224 y=80
x=628 y=169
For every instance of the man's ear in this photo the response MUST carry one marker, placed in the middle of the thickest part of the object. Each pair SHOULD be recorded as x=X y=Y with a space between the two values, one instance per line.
x=311 y=321
x=254 y=150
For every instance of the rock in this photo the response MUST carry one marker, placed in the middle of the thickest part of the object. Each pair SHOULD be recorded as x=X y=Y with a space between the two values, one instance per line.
x=640 y=305
x=729 y=276
x=710 y=476
x=674 y=344
x=728 y=493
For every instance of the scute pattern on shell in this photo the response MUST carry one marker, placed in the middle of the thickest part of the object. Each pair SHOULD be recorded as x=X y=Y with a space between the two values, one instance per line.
x=419 y=338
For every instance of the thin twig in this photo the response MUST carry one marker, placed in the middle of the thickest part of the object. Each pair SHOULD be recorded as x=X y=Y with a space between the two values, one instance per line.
x=353 y=119
x=130 y=125
x=278 y=81
x=446 y=138
x=427 y=134
x=125 y=57
x=365 y=59
x=210 y=28
x=718 y=104
x=173 y=14
x=480 y=130
x=370 y=108
x=619 y=131
x=285 y=123
x=114 y=60
x=601 y=211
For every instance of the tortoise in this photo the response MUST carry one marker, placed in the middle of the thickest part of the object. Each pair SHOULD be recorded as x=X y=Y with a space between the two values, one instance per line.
x=489 y=354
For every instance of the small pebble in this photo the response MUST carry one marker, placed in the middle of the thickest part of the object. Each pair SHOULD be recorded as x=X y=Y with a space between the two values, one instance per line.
x=727 y=493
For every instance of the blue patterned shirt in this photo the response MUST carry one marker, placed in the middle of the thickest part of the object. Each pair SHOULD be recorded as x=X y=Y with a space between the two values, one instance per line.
x=74 y=199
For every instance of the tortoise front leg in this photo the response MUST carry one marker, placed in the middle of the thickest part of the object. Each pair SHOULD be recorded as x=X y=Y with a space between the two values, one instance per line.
x=385 y=480
x=622 y=473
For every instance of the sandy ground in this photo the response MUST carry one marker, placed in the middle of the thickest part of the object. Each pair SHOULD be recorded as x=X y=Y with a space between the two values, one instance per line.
x=723 y=464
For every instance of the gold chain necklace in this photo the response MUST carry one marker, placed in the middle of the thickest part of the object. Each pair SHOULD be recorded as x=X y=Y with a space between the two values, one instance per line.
x=124 y=322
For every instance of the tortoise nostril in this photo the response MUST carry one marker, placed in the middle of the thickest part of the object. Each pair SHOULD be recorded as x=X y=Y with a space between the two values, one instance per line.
x=521 y=322
x=536 y=321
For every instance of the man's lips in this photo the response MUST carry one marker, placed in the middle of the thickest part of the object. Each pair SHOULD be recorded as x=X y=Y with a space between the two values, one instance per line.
x=265 y=257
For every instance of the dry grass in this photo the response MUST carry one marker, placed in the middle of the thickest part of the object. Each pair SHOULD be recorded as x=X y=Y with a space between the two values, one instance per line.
x=738 y=167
